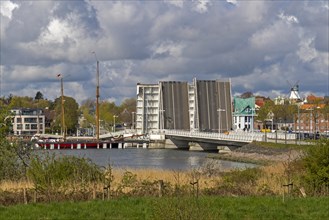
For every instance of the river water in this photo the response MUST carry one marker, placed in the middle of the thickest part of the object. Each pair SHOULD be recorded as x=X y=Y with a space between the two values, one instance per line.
x=139 y=158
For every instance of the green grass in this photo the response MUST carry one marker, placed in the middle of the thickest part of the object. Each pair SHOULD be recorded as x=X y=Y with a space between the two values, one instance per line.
x=209 y=207
x=280 y=145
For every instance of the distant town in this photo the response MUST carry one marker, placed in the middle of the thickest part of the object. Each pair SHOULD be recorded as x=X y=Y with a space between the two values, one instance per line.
x=203 y=105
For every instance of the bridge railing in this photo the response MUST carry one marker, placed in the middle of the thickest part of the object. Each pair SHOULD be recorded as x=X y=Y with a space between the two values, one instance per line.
x=217 y=136
x=234 y=136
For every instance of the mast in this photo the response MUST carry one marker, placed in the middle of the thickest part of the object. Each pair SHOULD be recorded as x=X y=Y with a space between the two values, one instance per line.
x=97 y=98
x=62 y=103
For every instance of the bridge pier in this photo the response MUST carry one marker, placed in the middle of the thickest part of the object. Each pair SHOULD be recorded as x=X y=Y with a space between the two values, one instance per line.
x=174 y=144
x=159 y=144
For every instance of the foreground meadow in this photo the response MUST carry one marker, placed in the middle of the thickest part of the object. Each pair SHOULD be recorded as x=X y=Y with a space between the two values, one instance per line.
x=293 y=187
x=205 y=207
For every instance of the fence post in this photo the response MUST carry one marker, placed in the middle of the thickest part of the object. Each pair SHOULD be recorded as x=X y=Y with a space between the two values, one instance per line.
x=160 y=182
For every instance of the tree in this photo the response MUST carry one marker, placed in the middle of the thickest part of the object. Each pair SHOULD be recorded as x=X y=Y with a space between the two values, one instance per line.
x=246 y=95
x=316 y=166
x=263 y=113
x=21 y=102
x=71 y=114
x=127 y=108
x=38 y=96
x=14 y=155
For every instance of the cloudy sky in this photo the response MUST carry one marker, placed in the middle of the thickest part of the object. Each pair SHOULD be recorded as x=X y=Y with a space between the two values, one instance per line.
x=262 y=46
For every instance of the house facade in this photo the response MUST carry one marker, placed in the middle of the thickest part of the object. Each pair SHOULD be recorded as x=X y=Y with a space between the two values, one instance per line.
x=27 y=121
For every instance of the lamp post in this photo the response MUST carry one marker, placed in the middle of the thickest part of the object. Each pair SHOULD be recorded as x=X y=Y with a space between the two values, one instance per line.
x=219 y=119
x=114 y=116
x=133 y=120
x=252 y=124
x=161 y=121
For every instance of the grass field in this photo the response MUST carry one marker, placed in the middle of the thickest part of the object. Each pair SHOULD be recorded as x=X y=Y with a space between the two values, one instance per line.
x=209 y=207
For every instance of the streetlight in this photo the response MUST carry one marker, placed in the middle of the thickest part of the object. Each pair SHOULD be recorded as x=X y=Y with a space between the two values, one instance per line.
x=161 y=121
x=219 y=119
x=114 y=116
x=133 y=120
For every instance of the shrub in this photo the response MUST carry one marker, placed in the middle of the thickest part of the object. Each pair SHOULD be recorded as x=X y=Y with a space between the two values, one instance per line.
x=53 y=176
x=316 y=164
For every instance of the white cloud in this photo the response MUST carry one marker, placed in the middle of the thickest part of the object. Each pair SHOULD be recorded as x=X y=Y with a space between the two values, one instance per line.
x=290 y=19
x=201 y=6
x=7 y=8
x=258 y=44
x=177 y=3
x=167 y=47
x=234 y=2
x=306 y=51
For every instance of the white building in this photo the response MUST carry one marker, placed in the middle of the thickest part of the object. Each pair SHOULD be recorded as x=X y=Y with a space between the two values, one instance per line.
x=147 y=108
x=26 y=121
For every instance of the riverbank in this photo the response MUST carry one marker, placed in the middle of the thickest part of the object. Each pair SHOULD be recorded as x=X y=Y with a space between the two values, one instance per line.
x=261 y=154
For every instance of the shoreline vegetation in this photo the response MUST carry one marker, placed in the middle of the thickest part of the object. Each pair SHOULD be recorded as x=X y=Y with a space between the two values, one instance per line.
x=280 y=179
x=261 y=153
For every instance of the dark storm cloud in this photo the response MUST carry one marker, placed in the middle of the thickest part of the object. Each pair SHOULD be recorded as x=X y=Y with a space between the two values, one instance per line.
x=258 y=44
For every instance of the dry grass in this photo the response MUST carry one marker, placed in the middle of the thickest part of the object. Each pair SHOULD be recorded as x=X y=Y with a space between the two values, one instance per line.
x=15 y=185
x=169 y=176
x=273 y=177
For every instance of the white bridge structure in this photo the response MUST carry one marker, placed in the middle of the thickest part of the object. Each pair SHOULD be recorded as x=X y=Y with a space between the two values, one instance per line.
x=199 y=140
x=246 y=137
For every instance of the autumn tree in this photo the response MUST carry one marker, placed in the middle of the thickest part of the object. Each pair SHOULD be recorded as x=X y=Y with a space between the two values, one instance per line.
x=71 y=114
x=21 y=102
x=264 y=111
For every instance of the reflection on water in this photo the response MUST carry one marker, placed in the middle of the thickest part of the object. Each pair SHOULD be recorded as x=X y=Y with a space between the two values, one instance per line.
x=138 y=158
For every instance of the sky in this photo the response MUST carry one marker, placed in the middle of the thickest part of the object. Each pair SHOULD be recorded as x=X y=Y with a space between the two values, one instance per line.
x=263 y=47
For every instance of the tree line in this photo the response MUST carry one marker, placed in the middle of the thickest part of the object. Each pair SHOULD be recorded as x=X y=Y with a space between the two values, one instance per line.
x=76 y=116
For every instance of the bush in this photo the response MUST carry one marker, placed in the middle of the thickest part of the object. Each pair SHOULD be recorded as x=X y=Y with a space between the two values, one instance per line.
x=240 y=182
x=52 y=176
x=316 y=164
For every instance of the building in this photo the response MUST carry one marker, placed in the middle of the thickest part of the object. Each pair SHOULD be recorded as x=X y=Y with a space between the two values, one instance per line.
x=244 y=113
x=313 y=119
x=27 y=121
x=203 y=105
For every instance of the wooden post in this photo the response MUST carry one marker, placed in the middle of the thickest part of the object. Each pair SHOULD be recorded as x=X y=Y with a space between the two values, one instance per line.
x=108 y=193
x=35 y=196
x=24 y=196
x=160 y=182
x=94 y=192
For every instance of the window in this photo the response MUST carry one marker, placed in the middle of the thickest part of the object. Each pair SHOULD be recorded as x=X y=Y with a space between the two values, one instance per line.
x=19 y=127
x=30 y=120
x=34 y=127
x=27 y=126
x=18 y=120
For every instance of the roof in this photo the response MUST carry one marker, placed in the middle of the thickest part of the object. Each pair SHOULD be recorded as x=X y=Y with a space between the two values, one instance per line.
x=244 y=106
x=312 y=106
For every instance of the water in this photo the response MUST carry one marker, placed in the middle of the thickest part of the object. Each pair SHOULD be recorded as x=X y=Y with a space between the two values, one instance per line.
x=139 y=158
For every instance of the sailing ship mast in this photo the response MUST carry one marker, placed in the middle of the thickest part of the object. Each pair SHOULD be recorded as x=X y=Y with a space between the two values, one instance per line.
x=62 y=105
x=97 y=98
